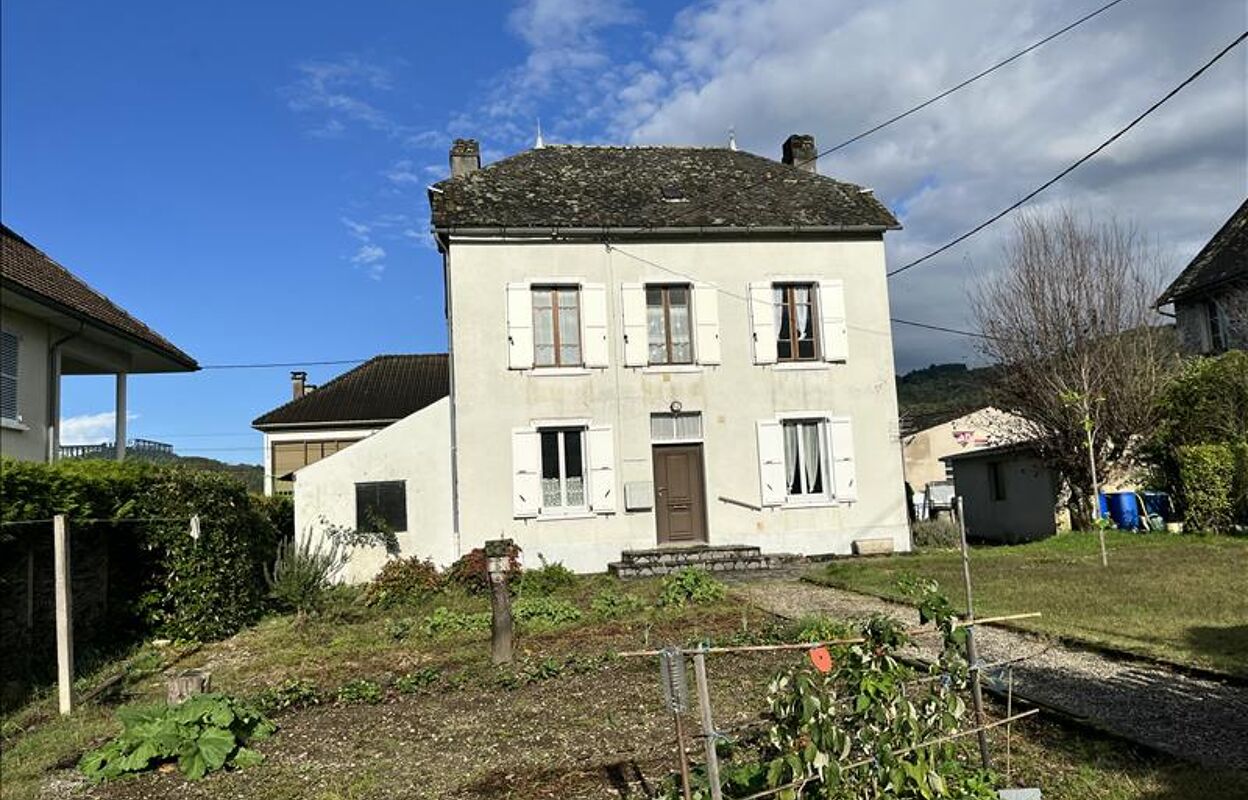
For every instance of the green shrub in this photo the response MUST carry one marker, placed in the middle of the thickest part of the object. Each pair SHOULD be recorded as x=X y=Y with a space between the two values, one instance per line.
x=939 y=533
x=290 y=694
x=403 y=580
x=471 y=571
x=818 y=628
x=399 y=629
x=206 y=733
x=444 y=621
x=546 y=580
x=360 y=690
x=1207 y=476
x=417 y=681
x=303 y=572
x=544 y=612
x=612 y=604
x=690 y=585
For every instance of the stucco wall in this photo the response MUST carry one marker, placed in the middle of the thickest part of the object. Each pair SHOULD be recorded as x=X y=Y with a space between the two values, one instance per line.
x=32 y=388
x=1027 y=511
x=491 y=400
x=1191 y=320
x=416 y=449
x=924 y=449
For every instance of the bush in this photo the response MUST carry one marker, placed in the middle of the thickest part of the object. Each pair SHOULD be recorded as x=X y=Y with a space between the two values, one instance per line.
x=206 y=733
x=690 y=585
x=399 y=629
x=818 y=628
x=445 y=621
x=544 y=612
x=403 y=580
x=471 y=571
x=546 y=580
x=939 y=533
x=1207 y=476
x=360 y=690
x=612 y=604
x=303 y=572
x=417 y=681
x=288 y=695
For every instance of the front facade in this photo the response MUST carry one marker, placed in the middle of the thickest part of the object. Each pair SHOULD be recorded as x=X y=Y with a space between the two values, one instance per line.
x=929 y=440
x=638 y=363
x=1210 y=296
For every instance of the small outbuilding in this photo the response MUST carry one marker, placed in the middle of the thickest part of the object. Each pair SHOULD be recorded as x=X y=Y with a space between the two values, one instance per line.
x=1008 y=493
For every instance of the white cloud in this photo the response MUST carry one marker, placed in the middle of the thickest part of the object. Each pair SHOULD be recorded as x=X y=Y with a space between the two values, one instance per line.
x=336 y=92
x=368 y=254
x=90 y=428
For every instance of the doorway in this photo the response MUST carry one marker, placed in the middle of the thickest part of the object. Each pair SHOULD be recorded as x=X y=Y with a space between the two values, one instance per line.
x=679 y=494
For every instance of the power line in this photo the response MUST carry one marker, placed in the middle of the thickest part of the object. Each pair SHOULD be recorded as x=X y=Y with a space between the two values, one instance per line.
x=1121 y=132
x=942 y=329
x=284 y=364
x=898 y=117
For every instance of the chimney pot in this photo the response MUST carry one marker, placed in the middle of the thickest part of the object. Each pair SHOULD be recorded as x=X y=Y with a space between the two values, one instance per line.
x=465 y=157
x=298 y=384
x=800 y=152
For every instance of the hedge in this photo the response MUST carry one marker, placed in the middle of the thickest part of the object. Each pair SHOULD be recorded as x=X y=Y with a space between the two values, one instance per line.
x=1206 y=477
x=162 y=582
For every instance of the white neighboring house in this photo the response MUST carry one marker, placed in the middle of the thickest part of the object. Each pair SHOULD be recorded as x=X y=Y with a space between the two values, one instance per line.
x=664 y=346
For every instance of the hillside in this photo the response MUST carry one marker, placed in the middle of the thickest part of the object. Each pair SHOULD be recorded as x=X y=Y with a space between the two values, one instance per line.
x=941 y=391
x=252 y=475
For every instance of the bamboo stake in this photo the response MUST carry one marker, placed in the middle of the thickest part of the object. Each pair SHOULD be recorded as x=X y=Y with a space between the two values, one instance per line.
x=708 y=725
x=972 y=654
x=1009 y=711
x=684 y=762
x=64 y=615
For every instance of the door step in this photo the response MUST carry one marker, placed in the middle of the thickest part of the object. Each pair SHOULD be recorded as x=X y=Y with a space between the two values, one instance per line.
x=720 y=558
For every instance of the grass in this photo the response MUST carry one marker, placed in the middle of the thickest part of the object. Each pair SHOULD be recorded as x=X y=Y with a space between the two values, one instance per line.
x=1179 y=599
x=568 y=720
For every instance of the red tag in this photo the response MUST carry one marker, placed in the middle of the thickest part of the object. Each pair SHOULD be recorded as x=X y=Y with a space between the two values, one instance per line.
x=821 y=658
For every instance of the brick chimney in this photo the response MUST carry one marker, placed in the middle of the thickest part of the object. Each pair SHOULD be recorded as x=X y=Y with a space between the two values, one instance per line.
x=298 y=384
x=465 y=157
x=800 y=152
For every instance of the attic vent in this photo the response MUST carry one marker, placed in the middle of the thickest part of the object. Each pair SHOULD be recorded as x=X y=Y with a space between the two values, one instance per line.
x=673 y=194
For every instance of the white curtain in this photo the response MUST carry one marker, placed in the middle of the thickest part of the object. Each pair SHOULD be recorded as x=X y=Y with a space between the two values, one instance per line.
x=811 y=449
x=777 y=308
x=801 y=299
x=792 y=467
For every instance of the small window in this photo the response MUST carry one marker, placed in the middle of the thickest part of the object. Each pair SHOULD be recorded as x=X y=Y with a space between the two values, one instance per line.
x=563 y=468
x=1216 y=320
x=557 y=326
x=996 y=480
x=797 y=324
x=676 y=427
x=668 y=325
x=8 y=376
x=805 y=446
x=381 y=507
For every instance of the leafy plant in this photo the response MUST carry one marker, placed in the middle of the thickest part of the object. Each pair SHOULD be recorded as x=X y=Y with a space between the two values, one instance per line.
x=690 y=585
x=350 y=538
x=544 y=612
x=206 y=733
x=531 y=672
x=288 y=695
x=471 y=571
x=547 y=579
x=403 y=580
x=360 y=690
x=612 y=603
x=302 y=573
x=818 y=628
x=445 y=621
x=1207 y=478
x=940 y=533
x=417 y=681
x=399 y=629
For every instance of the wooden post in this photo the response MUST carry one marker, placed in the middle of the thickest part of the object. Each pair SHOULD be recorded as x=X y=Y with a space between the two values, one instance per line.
x=496 y=553
x=64 y=615
x=708 y=724
x=1096 y=497
x=972 y=654
x=187 y=683
x=681 y=747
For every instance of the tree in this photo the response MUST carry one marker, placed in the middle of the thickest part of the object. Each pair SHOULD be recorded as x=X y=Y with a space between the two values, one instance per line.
x=1069 y=318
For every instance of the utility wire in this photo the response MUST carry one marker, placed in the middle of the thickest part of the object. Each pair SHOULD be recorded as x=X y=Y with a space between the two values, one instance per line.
x=930 y=327
x=285 y=364
x=1121 y=132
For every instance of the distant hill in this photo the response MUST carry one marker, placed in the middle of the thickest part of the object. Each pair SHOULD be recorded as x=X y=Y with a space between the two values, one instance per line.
x=252 y=475
x=941 y=391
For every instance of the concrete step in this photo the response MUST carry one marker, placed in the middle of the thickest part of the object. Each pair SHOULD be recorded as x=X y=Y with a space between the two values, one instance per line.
x=721 y=560
x=687 y=555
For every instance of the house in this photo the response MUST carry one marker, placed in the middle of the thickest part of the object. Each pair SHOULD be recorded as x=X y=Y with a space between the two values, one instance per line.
x=1008 y=492
x=666 y=346
x=1210 y=296
x=927 y=439
x=54 y=324
x=319 y=422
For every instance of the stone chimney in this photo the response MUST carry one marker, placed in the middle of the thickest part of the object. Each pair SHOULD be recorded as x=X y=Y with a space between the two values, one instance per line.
x=800 y=152
x=465 y=157
x=298 y=384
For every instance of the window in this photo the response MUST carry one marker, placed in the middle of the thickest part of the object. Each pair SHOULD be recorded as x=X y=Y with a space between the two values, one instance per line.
x=8 y=376
x=796 y=322
x=668 y=325
x=381 y=506
x=557 y=326
x=1216 y=320
x=676 y=427
x=996 y=481
x=563 y=468
x=805 y=443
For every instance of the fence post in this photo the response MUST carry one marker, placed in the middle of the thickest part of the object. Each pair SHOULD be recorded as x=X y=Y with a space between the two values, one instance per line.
x=64 y=614
x=972 y=654
x=708 y=723
x=497 y=554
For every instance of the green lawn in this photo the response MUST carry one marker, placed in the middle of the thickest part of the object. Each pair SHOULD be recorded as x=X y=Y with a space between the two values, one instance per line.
x=1181 y=599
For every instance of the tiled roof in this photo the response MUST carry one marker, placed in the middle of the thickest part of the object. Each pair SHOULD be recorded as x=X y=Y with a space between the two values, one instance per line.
x=28 y=270
x=1222 y=260
x=383 y=389
x=565 y=186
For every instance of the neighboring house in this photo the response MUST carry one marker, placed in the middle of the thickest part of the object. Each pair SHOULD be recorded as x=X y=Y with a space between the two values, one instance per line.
x=1210 y=296
x=928 y=439
x=318 y=422
x=666 y=346
x=54 y=324
x=1008 y=493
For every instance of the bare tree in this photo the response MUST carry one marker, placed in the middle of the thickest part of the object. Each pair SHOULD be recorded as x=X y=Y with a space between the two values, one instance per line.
x=1070 y=320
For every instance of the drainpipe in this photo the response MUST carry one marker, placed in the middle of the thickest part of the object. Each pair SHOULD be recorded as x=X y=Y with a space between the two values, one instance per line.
x=53 y=424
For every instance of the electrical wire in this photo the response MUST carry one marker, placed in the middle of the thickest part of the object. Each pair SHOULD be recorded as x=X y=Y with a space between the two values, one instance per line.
x=272 y=365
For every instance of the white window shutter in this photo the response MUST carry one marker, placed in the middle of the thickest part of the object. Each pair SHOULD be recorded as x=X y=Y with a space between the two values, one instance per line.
x=594 y=324
x=835 y=331
x=601 y=470
x=841 y=436
x=706 y=323
x=763 y=322
x=633 y=306
x=519 y=326
x=771 y=462
x=526 y=469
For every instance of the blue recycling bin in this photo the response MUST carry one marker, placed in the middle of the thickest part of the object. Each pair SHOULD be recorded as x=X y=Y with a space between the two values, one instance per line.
x=1124 y=510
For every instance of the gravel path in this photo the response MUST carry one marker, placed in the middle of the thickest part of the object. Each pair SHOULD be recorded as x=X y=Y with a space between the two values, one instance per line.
x=1201 y=720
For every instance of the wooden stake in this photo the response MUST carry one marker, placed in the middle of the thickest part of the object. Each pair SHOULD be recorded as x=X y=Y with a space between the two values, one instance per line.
x=684 y=763
x=972 y=654
x=708 y=725
x=1096 y=497
x=497 y=552
x=64 y=615
x=1009 y=712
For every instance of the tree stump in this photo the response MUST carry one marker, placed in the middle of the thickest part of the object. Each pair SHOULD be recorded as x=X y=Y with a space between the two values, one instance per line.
x=188 y=684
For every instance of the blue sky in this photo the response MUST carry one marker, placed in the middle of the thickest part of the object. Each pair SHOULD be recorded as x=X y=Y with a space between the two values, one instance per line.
x=249 y=178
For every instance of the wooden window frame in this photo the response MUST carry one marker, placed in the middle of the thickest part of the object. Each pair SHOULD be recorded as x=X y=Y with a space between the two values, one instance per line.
x=560 y=433
x=665 y=294
x=789 y=303
x=553 y=289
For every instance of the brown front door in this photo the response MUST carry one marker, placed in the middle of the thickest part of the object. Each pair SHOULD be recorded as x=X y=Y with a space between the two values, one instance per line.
x=679 y=502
